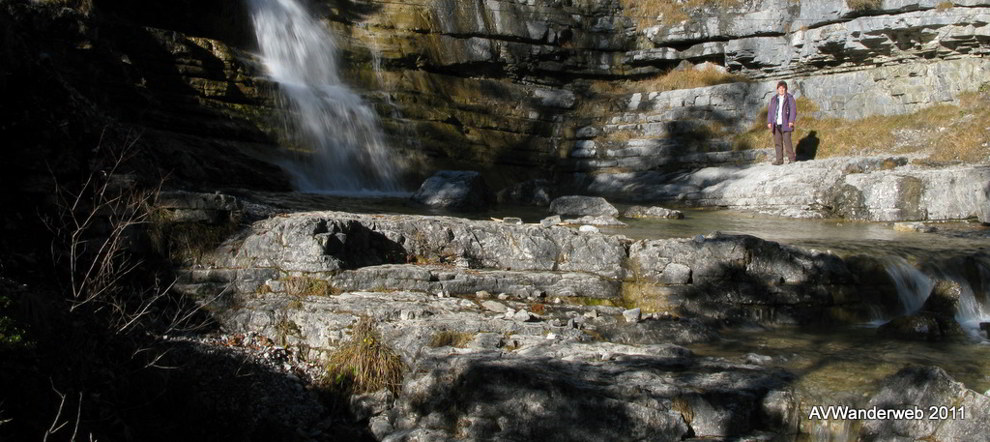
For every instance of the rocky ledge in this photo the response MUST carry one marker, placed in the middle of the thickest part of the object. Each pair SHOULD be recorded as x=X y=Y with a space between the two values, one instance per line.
x=882 y=188
x=521 y=331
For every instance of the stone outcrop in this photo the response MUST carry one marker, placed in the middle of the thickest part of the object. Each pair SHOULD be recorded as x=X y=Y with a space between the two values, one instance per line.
x=451 y=189
x=652 y=212
x=582 y=206
x=872 y=189
x=719 y=278
x=897 y=57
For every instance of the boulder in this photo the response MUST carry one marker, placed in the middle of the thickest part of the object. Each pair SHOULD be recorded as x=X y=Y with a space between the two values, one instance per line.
x=452 y=189
x=940 y=398
x=527 y=193
x=575 y=205
x=921 y=327
x=652 y=212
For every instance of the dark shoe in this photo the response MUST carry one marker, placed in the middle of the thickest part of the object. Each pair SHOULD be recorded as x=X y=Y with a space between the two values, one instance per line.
x=777 y=163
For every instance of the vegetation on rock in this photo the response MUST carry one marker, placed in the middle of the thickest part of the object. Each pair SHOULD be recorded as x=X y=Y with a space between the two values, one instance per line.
x=945 y=133
x=653 y=12
x=365 y=363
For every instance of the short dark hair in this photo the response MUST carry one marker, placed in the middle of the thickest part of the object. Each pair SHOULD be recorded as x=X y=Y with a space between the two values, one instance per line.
x=782 y=83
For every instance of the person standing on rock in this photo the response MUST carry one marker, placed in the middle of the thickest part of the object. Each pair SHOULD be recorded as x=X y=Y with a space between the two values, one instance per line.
x=781 y=115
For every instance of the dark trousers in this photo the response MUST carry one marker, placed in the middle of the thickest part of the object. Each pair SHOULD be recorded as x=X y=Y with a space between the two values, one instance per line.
x=782 y=143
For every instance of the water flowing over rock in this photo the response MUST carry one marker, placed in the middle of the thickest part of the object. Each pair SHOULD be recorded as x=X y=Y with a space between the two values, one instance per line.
x=341 y=142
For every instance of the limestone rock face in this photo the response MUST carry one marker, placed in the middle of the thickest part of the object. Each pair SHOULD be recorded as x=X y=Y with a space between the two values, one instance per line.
x=460 y=190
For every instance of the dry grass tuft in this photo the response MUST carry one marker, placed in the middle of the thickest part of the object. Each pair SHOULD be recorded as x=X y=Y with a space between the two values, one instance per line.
x=653 y=12
x=304 y=286
x=669 y=81
x=364 y=363
x=448 y=338
x=865 y=5
x=948 y=133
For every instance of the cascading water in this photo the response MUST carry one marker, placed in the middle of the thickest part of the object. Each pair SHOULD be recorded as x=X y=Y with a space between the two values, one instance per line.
x=336 y=136
x=914 y=287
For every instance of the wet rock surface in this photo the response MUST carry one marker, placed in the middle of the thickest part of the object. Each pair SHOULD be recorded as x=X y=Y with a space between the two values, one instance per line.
x=950 y=410
x=452 y=189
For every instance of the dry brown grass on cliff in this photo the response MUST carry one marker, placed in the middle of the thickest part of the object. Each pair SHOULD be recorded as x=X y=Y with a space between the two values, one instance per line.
x=946 y=133
x=653 y=12
x=669 y=81
x=864 y=5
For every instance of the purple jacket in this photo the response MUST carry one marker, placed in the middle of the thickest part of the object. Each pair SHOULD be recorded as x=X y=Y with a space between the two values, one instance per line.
x=790 y=112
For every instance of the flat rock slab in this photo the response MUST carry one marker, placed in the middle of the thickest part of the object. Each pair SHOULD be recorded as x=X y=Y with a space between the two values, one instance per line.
x=334 y=241
x=600 y=392
x=453 y=280
x=575 y=205
x=870 y=189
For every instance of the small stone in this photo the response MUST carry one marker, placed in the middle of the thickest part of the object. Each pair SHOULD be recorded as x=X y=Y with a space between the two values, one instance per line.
x=758 y=359
x=497 y=307
x=588 y=229
x=482 y=294
x=557 y=301
x=551 y=336
x=554 y=322
x=632 y=315
x=914 y=227
x=522 y=316
x=551 y=221
x=512 y=220
x=503 y=296
x=510 y=312
x=592 y=314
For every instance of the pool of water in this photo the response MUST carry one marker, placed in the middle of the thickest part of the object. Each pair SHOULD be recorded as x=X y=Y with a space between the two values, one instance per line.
x=849 y=360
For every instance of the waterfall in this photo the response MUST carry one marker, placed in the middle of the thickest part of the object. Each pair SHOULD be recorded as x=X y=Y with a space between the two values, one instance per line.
x=974 y=296
x=335 y=136
x=913 y=286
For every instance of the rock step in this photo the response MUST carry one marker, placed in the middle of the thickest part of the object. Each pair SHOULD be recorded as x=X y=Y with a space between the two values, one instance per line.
x=454 y=280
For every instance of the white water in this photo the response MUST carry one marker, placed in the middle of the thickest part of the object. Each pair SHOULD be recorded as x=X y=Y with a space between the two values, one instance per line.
x=914 y=287
x=974 y=306
x=336 y=137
